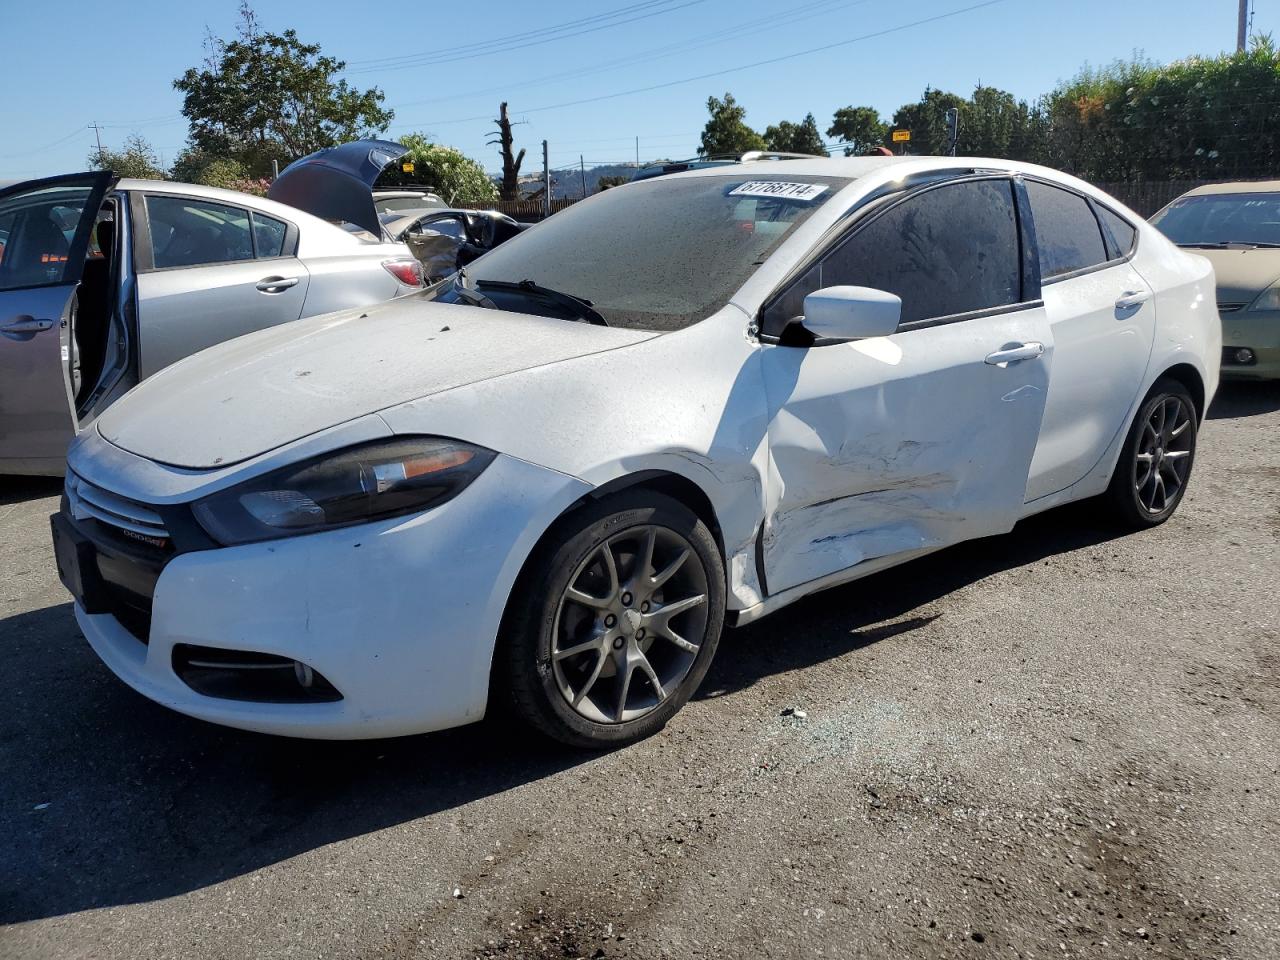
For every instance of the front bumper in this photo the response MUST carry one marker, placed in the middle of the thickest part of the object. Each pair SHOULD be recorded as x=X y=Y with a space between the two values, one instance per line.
x=400 y=616
x=1260 y=332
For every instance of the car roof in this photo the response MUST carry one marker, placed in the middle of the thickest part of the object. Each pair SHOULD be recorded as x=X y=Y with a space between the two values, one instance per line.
x=300 y=217
x=853 y=168
x=879 y=170
x=1238 y=186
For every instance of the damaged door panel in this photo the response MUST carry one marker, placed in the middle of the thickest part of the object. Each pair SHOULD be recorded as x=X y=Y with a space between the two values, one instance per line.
x=897 y=444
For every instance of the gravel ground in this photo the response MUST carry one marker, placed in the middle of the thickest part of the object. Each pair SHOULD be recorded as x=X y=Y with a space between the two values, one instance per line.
x=1058 y=743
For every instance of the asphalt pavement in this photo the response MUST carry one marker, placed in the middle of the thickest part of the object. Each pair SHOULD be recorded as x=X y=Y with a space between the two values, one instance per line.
x=1064 y=742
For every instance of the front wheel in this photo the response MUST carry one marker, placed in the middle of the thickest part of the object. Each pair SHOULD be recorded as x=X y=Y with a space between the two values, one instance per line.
x=1156 y=459
x=615 y=621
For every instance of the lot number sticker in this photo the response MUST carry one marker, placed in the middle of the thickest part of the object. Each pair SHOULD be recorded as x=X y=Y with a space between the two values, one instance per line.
x=778 y=188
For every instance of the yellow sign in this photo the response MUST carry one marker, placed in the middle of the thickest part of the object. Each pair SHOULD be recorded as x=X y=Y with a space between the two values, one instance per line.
x=901 y=136
x=407 y=166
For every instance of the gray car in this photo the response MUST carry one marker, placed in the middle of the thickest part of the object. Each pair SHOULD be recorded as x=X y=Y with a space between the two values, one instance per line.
x=104 y=282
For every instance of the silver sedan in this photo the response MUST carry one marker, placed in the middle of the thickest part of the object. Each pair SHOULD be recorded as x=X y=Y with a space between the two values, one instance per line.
x=104 y=282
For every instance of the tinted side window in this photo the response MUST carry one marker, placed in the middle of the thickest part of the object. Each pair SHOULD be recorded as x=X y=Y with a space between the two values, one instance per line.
x=949 y=250
x=1123 y=232
x=1067 y=232
x=268 y=235
x=187 y=232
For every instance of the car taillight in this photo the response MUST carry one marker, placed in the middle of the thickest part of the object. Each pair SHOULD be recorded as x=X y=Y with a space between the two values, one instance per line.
x=408 y=272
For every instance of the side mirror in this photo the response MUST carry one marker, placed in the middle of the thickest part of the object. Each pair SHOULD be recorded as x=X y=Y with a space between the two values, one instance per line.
x=851 y=313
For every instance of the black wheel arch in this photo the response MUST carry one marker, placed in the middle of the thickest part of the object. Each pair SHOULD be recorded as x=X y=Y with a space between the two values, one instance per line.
x=1190 y=378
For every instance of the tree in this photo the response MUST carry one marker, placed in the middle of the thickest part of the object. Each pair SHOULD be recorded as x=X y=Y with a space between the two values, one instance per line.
x=926 y=119
x=802 y=137
x=269 y=96
x=1195 y=119
x=726 y=131
x=996 y=124
x=451 y=173
x=604 y=183
x=510 y=161
x=135 y=158
x=860 y=128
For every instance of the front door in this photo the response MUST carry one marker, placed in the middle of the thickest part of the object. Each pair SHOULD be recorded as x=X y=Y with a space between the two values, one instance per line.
x=45 y=227
x=208 y=272
x=924 y=438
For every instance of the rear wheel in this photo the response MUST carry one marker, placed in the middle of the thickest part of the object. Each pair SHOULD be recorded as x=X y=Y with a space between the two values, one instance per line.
x=1156 y=460
x=615 y=622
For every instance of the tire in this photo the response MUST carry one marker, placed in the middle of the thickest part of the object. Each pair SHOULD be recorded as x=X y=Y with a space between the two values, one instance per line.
x=1155 y=462
x=636 y=663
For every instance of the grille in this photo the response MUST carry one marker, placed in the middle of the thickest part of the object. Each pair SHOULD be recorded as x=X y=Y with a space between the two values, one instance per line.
x=1231 y=307
x=134 y=520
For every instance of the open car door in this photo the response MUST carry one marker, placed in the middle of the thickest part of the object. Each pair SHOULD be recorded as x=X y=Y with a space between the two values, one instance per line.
x=45 y=227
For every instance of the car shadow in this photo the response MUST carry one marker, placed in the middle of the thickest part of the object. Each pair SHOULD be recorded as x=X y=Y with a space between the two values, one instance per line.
x=109 y=799
x=876 y=608
x=18 y=489
x=1242 y=398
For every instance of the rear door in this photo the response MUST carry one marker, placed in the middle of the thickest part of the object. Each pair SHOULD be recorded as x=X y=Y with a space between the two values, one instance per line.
x=45 y=226
x=1103 y=318
x=924 y=438
x=209 y=271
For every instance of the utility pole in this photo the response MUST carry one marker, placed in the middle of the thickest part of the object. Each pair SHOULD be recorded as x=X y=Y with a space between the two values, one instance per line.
x=582 y=167
x=953 y=130
x=1242 y=28
x=546 y=181
x=97 y=132
x=637 y=151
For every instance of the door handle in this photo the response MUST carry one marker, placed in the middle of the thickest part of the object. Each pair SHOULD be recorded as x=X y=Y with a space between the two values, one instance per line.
x=1015 y=352
x=1132 y=298
x=276 y=284
x=25 y=327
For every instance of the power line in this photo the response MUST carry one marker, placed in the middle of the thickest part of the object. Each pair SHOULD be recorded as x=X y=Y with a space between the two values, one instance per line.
x=454 y=56
x=746 y=66
x=523 y=35
x=48 y=146
x=747 y=28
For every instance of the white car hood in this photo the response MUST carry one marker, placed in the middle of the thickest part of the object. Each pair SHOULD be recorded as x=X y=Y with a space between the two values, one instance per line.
x=245 y=397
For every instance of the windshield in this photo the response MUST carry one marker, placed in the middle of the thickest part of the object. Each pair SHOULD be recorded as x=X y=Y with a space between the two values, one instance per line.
x=661 y=254
x=1252 y=218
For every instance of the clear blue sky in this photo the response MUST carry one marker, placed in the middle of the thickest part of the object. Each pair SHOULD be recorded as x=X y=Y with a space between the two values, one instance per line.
x=75 y=62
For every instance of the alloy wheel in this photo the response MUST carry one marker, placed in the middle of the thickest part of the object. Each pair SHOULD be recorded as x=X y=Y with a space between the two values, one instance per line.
x=630 y=624
x=1163 y=460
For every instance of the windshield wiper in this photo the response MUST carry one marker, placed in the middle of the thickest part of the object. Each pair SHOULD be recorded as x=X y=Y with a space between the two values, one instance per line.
x=579 y=306
x=1227 y=244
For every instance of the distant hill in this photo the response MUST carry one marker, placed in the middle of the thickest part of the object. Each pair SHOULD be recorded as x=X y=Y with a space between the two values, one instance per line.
x=566 y=182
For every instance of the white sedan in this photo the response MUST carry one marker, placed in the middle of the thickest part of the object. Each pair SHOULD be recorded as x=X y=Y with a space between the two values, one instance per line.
x=682 y=403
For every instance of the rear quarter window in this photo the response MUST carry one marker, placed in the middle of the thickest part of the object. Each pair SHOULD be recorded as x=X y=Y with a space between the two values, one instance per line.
x=1067 y=233
x=1123 y=233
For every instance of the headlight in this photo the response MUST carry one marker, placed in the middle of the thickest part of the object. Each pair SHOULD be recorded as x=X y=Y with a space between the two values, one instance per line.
x=1270 y=300
x=356 y=485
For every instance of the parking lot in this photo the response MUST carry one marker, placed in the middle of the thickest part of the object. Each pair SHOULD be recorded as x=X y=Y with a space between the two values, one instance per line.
x=1057 y=743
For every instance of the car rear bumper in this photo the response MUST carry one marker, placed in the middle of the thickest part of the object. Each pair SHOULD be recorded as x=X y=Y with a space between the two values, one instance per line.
x=399 y=616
